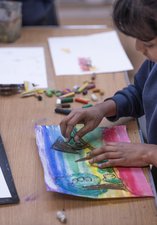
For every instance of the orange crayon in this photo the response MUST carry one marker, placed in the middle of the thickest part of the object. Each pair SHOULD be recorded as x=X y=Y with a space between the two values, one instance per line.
x=82 y=100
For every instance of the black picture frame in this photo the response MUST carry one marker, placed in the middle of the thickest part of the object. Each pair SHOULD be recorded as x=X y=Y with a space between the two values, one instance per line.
x=4 y=164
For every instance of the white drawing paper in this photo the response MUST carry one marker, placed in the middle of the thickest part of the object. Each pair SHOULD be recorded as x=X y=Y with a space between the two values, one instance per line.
x=102 y=50
x=19 y=64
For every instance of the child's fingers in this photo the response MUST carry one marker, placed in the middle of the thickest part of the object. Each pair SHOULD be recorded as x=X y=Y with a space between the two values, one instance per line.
x=66 y=126
x=84 y=130
x=106 y=156
x=112 y=163
x=103 y=149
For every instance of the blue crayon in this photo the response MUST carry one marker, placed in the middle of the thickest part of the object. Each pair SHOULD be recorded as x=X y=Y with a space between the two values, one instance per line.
x=62 y=111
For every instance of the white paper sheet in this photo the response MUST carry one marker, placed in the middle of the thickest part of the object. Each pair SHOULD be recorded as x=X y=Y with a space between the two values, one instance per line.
x=103 y=49
x=83 y=27
x=4 y=190
x=19 y=64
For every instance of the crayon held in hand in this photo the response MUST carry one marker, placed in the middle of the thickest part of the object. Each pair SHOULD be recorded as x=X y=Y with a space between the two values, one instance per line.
x=83 y=159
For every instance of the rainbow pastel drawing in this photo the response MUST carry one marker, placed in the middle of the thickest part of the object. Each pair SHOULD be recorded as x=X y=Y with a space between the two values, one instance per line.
x=64 y=175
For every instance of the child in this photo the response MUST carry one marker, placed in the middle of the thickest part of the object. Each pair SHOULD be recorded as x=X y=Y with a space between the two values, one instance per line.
x=136 y=18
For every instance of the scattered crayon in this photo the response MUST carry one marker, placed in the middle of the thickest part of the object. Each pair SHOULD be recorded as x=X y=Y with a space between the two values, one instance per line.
x=94 y=97
x=96 y=90
x=48 y=92
x=85 y=92
x=70 y=94
x=40 y=91
x=31 y=91
x=28 y=94
x=39 y=97
x=61 y=216
x=87 y=105
x=90 y=86
x=67 y=100
x=67 y=90
x=58 y=93
x=62 y=111
x=86 y=81
x=82 y=100
x=65 y=105
x=75 y=88
x=58 y=101
x=83 y=87
x=66 y=96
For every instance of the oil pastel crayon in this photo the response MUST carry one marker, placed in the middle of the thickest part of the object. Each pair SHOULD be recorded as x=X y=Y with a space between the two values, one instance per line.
x=90 y=86
x=58 y=101
x=62 y=111
x=48 y=92
x=82 y=100
x=70 y=94
x=87 y=105
x=65 y=105
x=94 y=97
x=58 y=93
x=85 y=92
x=82 y=87
x=95 y=90
x=67 y=100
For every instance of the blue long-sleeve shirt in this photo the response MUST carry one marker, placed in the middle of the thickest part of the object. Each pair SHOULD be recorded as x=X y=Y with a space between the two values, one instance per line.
x=140 y=99
x=38 y=12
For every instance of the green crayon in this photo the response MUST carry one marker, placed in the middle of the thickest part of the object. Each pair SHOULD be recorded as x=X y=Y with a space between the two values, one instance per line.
x=87 y=105
x=67 y=100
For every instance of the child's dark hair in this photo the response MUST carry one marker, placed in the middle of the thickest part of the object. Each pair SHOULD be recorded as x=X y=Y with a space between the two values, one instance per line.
x=136 y=18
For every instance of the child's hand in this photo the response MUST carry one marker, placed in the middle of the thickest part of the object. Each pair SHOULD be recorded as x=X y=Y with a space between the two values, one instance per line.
x=90 y=118
x=124 y=154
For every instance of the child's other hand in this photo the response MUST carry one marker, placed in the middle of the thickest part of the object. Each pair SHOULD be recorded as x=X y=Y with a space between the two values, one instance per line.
x=124 y=155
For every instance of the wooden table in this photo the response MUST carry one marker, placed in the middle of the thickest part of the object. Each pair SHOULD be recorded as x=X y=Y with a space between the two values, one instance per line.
x=17 y=119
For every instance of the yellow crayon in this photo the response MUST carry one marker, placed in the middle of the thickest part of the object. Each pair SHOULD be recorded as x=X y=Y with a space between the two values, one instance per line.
x=83 y=87
x=28 y=86
x=70 y=94
x=32 y=91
